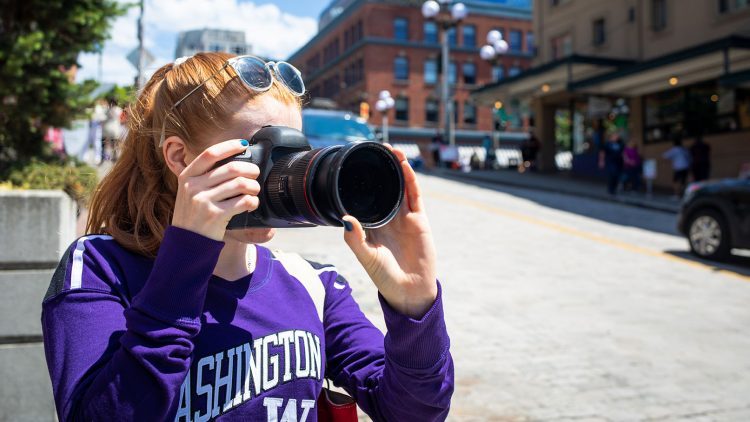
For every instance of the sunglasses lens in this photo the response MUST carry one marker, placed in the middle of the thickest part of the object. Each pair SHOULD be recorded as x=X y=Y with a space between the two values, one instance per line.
x=253 y=72
x=291 y=77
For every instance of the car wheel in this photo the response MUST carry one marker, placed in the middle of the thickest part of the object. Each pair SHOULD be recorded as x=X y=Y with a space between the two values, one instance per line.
x=708 y=235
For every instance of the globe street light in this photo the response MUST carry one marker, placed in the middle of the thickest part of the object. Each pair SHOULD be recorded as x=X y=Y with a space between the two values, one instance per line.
x=385 y=103
x=447 y=15
x=496 y=46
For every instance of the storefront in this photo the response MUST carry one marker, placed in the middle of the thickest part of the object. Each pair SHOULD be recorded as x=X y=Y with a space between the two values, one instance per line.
x=577 y=102
x=701 y=91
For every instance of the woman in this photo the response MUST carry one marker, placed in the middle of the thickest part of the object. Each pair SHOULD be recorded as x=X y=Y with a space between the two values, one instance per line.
x=632 y=167
x=165 y=315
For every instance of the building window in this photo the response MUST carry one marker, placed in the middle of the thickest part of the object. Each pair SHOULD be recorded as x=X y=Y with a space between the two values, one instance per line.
x=452 y=73
x=562 y=46
x=401 y=68
x=455 y=111
x=431 y=110
x=631 y=14
x=515 y=40
x=470 y=35
x=402 y=109
x=430 y=71
x=470 y=113
x=430 y=33
x=599 y=34
x=215 y=47
x=514 y=71
x=401 y=29
x=498 y=72
x=238 y=50
x=530 y=47
x=658 y=14
x=729 y=6
x=452 y=40
x=470 y=73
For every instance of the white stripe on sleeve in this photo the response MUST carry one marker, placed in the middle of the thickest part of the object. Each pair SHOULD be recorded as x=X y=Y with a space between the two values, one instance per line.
x=76 y=272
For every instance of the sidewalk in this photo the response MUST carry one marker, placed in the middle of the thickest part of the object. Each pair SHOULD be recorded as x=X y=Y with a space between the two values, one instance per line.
x=561 y=183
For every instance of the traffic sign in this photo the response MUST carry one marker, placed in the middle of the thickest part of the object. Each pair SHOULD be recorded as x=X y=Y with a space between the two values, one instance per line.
x=148 y=58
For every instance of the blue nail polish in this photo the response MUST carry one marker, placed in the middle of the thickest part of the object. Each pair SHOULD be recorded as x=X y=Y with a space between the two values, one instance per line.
x=244 y=142
x=348 y=226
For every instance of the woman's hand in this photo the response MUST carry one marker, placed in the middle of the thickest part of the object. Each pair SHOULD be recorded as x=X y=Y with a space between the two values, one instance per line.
x=208 y=198
x=400 y=256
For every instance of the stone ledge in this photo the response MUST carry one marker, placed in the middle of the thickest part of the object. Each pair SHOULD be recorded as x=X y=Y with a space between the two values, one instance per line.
x=26 y=391
x=21 y=303
x=36 y=226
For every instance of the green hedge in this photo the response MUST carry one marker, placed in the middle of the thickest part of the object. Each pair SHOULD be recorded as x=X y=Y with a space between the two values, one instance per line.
x=76 y=179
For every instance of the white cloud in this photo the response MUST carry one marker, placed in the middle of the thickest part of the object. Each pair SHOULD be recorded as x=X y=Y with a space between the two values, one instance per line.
x=272 y=32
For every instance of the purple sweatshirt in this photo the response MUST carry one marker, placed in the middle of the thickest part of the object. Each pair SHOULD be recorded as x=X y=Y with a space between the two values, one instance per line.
x=132 y=338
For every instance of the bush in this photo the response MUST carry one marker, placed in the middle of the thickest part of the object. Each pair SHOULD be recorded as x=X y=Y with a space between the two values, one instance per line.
x=76 y=179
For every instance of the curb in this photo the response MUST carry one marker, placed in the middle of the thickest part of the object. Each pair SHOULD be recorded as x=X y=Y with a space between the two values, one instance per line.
x=634 y=202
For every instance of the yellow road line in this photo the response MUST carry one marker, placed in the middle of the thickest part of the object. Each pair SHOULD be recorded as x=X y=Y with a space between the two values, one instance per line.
x=584 y=235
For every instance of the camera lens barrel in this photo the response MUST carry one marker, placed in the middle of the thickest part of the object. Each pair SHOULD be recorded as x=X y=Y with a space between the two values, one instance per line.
x=362 y=179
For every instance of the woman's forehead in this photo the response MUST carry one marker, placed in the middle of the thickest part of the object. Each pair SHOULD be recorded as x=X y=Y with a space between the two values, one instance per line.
x=265 y=111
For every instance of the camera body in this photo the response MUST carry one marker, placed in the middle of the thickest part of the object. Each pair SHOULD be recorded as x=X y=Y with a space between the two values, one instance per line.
x=267 y=146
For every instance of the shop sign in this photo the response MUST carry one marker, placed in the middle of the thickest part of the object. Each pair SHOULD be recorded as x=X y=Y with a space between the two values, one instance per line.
x=599 y=107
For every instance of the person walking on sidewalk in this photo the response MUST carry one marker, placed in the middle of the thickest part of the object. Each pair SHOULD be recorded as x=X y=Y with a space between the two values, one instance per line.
x=632 y=167
x=610 y=159
x=490 y=159
x=680 y=159
x=700 y=153
x=162 y=314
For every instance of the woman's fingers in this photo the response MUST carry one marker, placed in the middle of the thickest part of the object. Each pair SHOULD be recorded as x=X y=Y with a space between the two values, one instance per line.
x=240 y=204
x=213 y=154
x=229 y=171
x=413 y=194
x=235 y=187
x=357 y=241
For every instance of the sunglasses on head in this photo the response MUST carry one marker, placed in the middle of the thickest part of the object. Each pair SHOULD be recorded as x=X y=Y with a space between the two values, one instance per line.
x=257 y=74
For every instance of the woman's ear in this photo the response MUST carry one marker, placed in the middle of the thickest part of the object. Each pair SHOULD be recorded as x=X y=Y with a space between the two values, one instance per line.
x=175 y=154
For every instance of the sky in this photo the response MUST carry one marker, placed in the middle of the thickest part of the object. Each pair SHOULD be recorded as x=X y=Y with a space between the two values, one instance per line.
x=274 y=28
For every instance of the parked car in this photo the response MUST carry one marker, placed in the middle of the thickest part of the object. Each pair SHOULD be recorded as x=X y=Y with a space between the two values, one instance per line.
x=333 y=127
x=715 y=217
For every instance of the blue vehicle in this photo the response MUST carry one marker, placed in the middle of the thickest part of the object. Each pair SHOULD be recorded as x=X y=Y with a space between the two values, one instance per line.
x=332 y=127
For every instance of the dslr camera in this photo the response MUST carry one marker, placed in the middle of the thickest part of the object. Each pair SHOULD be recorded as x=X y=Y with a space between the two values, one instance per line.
x=305 y=187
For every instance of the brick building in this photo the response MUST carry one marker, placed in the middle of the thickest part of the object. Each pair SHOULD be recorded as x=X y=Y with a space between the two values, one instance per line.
x=365 y=46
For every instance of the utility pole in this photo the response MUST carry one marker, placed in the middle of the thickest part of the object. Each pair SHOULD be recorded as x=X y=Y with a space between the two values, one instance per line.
x=139 y=81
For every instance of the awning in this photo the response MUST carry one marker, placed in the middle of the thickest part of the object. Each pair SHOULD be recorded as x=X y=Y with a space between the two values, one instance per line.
x=549 y=78
x=715 y=59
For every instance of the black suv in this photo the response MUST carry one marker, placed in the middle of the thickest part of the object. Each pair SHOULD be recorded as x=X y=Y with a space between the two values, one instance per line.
x=715 y=217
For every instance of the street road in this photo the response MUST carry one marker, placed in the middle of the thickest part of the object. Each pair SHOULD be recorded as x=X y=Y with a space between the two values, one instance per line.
x=561 y=308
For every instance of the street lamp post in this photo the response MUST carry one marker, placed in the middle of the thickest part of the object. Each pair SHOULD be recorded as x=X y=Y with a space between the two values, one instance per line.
x=385 y=103
x=496 y=46
x=431 y=10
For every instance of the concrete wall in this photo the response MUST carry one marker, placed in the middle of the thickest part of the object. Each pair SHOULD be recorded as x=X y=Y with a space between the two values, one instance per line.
x=35 y=228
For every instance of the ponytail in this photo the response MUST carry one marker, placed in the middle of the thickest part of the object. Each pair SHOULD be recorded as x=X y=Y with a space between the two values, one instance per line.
x=134 y=201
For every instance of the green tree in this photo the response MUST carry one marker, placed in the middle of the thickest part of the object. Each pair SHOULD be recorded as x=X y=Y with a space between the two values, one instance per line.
x=40 y=41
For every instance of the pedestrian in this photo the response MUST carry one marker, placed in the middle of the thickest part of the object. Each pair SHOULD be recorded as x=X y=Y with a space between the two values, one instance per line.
x=111 y=130
x=490 y=158
x=162 y=314
x=700 y=153
x=435 y=146
x=529 y=151
x=632 y=167
x=680 y=158
x=611 y=160
x=96 y=121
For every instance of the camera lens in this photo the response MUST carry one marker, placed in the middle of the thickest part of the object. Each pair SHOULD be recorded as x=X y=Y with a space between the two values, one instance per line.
x=362 y=179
